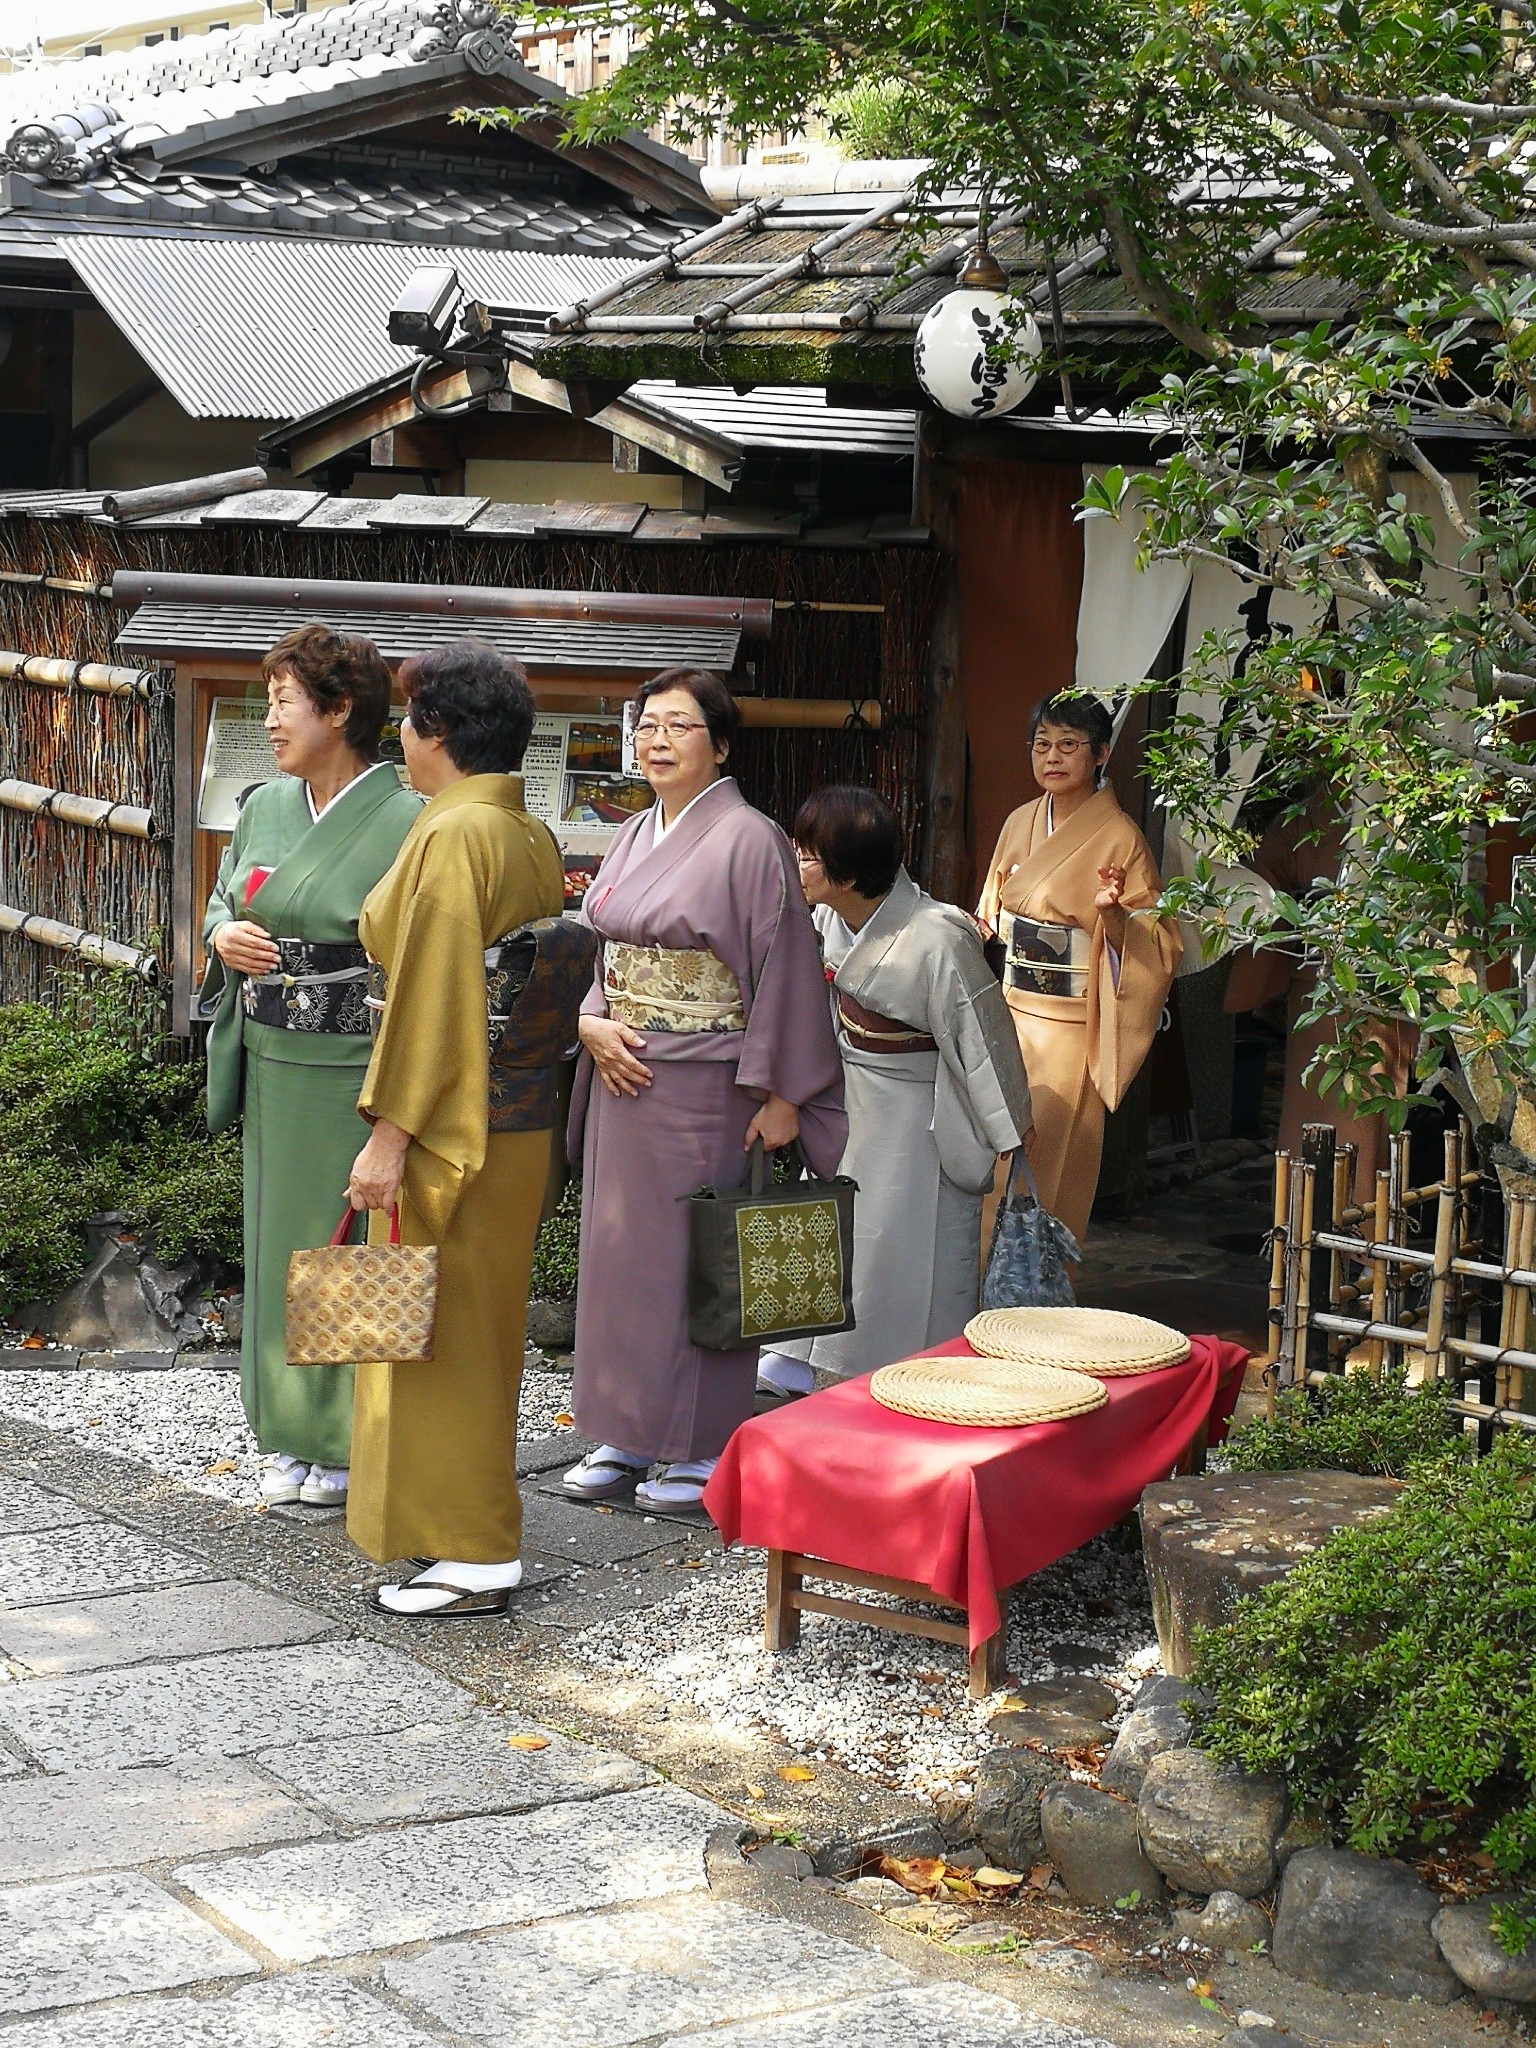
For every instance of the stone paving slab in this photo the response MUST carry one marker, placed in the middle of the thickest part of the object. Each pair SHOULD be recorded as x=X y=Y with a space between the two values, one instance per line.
x=951 y=2014
x=568 y=1529
x=225 y=1705
x=103 y=1820
x=307 y=2010
x=25 y=1507
x=138 y=1628
x=18 y=1358
x=418 y=1883
x=99 y=1937
x=603 y=1981
x=40 y=1568
x=445 y=1771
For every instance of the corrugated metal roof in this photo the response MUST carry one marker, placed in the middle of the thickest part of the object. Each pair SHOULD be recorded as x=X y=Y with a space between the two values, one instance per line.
x=255 y=329
x=784 y=418
x=552 y=647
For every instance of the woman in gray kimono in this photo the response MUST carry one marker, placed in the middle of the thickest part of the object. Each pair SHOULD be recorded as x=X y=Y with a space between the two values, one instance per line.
x=933 y=1083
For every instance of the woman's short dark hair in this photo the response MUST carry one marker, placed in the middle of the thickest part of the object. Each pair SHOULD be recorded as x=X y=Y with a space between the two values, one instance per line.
x=855 y=835
x=1078 y=712
x=333 y=669
x=474 y=699
x=716 y=704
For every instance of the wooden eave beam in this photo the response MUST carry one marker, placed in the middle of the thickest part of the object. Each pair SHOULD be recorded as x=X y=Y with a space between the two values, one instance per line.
x=711 y=456
x=377 y=415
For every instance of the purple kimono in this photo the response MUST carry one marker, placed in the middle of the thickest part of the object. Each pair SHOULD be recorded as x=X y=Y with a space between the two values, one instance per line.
x=723 y=880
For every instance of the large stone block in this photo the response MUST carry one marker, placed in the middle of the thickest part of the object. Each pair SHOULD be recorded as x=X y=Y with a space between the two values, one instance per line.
x=41 y=1567
x=1092 y=1840
x=1227 y=1922
x=1209 y=1541
x=953 y=2014
x=1005 y=1808
x=137 y=1628
x=605 y=1980
x=1480 y=1960
x=302 y=2011
x=1210 y=1828
x=100 y=1937
x=25 y=1507
x=1361 y=1923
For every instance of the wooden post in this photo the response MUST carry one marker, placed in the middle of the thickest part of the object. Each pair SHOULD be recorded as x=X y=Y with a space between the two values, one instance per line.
x=1381 y=1224
x=1449 y=1205
x=1343 y=1189
x=1305 y=1259
x=1317 y=1152
x=989 y=1660
x=781 y=1621
x=1279 y=1237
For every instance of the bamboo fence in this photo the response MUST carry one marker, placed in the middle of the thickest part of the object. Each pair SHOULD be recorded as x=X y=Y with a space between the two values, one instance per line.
x=1433 y=1279
x=850 y=624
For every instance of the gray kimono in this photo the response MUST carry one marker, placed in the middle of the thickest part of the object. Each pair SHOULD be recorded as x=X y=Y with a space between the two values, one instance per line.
x=924 y=1127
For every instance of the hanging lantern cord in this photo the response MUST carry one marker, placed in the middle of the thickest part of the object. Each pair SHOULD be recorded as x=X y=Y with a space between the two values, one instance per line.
x=1059 y=337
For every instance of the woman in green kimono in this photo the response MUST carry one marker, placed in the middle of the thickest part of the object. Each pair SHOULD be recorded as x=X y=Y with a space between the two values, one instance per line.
x=289 y=1044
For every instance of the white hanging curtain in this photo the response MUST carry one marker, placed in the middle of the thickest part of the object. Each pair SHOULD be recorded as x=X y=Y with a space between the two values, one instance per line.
x=1125 y=613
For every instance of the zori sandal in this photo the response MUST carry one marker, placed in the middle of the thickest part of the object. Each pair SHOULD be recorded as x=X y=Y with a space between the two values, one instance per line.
x=605 y=1474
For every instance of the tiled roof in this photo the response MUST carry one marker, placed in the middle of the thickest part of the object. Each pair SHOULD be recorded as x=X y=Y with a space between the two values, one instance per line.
x=270 y=89
x=360 y=199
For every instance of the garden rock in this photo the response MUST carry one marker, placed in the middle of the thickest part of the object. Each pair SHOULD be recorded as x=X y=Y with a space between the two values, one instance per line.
x=1074 y=1964
x=1474 y=1952
x=929 y=1916
x=778 y=1859
x=1210 y=1541
x=109 y=1308
x=1227 y=1922
x=1208 y=1827
x=1063 y=1713
x=845 y=1855
x=1145 y=1732
x=1360 y=1923
x=1306 y=1829
x=1091 y=1838
x=1005 y=1807
x=878 y=1892
x=552 y=1325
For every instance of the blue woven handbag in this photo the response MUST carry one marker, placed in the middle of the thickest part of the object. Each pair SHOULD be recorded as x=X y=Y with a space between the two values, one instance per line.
x=1027 y=1258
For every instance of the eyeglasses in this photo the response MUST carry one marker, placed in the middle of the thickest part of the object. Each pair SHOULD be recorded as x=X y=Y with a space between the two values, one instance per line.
x=808 y=860
x=674 y=728
x=1067 y=748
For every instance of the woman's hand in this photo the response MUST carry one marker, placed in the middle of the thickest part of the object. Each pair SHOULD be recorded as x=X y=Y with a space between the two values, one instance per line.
x=379 y=1169
x=245 y=947
x=1111 y=889
x=984 y=931
x=776 y=1123
x=613 y=1047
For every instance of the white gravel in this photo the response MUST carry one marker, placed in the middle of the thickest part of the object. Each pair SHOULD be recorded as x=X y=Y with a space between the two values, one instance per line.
x=187 y=1422
x=887 y=1707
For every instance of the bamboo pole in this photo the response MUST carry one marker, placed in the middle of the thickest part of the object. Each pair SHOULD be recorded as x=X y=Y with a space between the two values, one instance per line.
x=1379 y=1271
x=102 y=678
x=1343 y=1183
x=69 y=938
x=1445 y=1252
x=1278 y=1239
x=94 y=811
x=791 y=714
x=1303 y=1267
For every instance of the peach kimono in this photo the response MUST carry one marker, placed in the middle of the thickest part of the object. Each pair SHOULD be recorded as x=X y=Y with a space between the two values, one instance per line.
x=1081 y=1050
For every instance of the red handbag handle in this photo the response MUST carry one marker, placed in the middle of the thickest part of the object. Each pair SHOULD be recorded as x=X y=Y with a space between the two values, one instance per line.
x=343 y=1229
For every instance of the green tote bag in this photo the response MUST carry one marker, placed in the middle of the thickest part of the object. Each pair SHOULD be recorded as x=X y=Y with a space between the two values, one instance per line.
x=770 y=1260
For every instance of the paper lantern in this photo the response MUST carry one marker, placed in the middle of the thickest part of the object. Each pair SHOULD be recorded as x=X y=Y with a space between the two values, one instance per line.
x=952 y=351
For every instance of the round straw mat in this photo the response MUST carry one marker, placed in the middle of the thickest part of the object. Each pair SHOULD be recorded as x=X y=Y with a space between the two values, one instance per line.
x=984 y=1393
x=1104 y=1341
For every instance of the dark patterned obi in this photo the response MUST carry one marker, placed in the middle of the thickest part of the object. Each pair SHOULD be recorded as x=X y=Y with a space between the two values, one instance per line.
x=1045 y=959
x=312 y=988
x=535 y=979
x=867 y=1031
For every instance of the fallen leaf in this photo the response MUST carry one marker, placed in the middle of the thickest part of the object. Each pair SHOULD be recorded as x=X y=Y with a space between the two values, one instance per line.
x=757 y=1792
x=33 y=1343
x=1204 y=1990
x=923 y=1875
x=221 y=1465
x=796 y=1774
x=692 y=1564
x=601 y=1508
x=992 y=1880
x=527 y=1742
x=960 y=1884
x=1481 y=1859
x=564 y=1421
x=93 y=1422
x=1040 y=1877
x=932 y=1713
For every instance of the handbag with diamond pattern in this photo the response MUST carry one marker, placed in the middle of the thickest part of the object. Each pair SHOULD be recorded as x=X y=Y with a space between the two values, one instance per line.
x=770 y=1260
x=356 y=1303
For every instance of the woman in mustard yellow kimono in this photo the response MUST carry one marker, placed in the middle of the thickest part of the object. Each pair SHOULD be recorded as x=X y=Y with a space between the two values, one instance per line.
x=434 y=1445
x=1088 y=969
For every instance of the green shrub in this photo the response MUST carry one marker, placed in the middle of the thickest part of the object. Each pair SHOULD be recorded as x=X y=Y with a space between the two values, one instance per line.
x=881 y=118
x=1353 y=1423
x=94 y=1118
x=554 y=1253
x=1390 y=1676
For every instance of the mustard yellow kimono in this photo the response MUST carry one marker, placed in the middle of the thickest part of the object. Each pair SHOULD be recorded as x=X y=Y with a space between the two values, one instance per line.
x=1082 y=1052
x=434 y=1447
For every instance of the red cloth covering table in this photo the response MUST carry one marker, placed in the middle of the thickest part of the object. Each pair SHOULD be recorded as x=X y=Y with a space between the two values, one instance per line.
x=933 y=1510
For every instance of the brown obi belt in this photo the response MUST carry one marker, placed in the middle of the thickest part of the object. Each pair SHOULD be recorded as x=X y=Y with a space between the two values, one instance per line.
x=535 y=979
x=868 y=1031
x=1044 y=959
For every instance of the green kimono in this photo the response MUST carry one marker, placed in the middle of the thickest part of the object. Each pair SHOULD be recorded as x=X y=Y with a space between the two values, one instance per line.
x=297 y=1089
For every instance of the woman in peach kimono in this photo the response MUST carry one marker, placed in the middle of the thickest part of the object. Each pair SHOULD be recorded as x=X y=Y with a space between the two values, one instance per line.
x=1070 y=893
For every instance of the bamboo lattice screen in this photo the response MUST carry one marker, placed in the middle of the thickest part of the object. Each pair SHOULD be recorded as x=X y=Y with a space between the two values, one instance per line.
x=52 y=575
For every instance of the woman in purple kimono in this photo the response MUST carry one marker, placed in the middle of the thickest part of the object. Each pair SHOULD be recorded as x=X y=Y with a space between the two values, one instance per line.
x=707 y=1027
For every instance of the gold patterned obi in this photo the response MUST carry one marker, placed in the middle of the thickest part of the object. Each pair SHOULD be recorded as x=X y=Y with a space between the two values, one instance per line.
x=669 y=988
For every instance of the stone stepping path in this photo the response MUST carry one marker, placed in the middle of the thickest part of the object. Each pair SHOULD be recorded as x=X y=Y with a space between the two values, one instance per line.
x=225 y=1822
